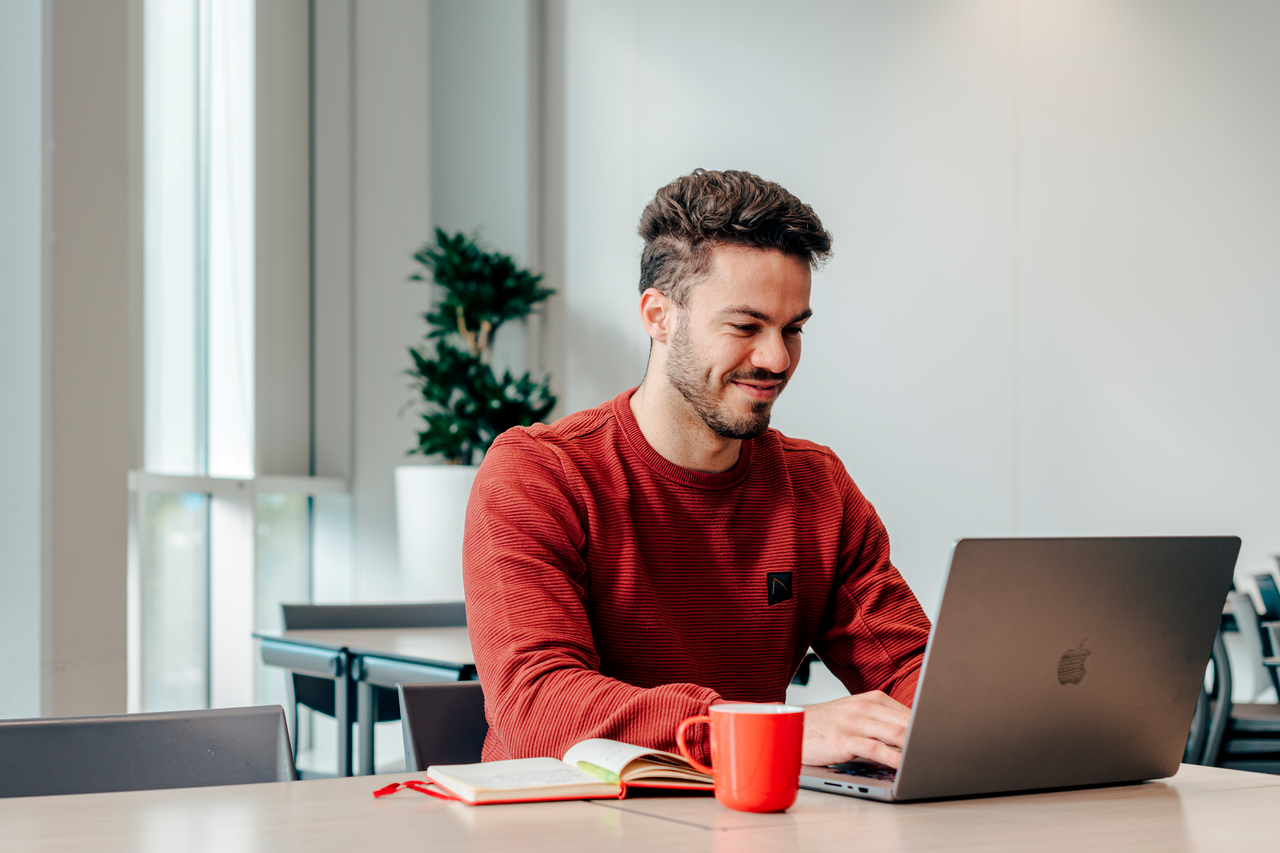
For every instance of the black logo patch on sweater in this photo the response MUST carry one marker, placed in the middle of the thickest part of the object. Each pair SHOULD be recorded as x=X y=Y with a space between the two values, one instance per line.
x=779 y=586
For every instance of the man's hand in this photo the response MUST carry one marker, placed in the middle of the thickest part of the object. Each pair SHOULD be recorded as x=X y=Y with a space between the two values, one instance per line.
x=870 y=725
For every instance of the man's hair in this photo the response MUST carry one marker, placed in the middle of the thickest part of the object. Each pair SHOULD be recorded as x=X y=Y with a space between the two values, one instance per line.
x=695 y=213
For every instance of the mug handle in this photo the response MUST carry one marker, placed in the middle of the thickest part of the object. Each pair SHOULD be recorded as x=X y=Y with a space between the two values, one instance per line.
x=684 y=750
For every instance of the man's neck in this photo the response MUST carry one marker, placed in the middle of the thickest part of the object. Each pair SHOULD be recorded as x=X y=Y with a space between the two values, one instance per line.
x=675 y=431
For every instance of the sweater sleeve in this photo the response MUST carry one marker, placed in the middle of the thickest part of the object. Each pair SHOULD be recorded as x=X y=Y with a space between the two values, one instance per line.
x=527 y=586
x=874 y=632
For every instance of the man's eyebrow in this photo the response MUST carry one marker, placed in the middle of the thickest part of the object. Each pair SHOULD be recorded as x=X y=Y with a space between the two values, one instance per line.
x=763 y=317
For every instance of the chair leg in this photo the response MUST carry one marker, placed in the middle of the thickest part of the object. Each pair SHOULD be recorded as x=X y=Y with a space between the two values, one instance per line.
x=293 y=714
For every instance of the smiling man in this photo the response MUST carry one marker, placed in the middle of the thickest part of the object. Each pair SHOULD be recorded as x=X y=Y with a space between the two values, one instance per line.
x=629 y=566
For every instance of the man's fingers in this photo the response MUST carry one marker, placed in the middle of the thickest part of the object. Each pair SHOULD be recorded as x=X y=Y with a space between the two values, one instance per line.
x=869 y=725
x=875 y=750
x=869 y=717
x=885 y=732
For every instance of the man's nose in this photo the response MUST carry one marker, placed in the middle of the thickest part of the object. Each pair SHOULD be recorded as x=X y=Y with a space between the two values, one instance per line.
x=771 y=354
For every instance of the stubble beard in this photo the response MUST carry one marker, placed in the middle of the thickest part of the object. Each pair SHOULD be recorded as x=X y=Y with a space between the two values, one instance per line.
x=694 y=382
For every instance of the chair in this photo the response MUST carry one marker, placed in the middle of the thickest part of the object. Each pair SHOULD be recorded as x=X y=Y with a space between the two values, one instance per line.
x=1246 y=646
x=1270 y=595
x=1270 y=616
x=318 y=693
x=137 y=752
x=443 y=723
x=1260 y=637
x=801 y=678
x=1209 y=723
x=1238 y=736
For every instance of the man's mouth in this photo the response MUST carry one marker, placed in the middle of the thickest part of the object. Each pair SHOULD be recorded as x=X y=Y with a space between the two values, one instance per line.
x=764 y=391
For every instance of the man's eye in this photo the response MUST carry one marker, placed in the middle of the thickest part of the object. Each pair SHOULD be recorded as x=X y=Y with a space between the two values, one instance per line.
x=794 y=331
x=746 y=328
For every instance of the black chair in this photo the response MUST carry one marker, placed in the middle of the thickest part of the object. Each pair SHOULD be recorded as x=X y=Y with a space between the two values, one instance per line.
x=1264 y=636
x=138 y=752
x=443 y=723
x=1270 y=617
x=801 y=678
x=1270 y=595
x=1209 y=723
x=318 y=693
x=1238 y=736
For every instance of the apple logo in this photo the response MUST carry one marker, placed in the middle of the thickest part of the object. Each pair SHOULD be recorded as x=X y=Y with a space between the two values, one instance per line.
x=1071 y=666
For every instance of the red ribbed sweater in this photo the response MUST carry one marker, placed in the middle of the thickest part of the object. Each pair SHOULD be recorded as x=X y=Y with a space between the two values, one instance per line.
x=611 y=593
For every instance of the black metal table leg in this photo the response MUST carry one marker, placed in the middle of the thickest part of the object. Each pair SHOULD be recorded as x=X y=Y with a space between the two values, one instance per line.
x=366 y=707
x=342 y=714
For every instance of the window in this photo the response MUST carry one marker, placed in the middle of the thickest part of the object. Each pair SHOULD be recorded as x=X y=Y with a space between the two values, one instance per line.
x=214 y=547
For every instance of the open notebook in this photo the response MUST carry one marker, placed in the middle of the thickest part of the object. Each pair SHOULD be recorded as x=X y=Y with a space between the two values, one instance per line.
x=595 y=768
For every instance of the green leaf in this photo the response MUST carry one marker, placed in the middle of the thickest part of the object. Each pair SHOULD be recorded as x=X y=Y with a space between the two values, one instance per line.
x=465 y=406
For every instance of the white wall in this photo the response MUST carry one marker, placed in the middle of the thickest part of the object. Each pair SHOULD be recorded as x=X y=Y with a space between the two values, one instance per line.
x=391 y=185
x=90 y=334
x=482 y=137
x=333 y=297
x=441 y=136
x=1149 y=304
x=1052 y=308
x=282 y=311
x=66 y=248
x=480 y=122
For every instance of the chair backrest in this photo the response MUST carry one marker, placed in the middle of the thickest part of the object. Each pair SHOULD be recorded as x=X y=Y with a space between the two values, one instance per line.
x=1219 y=719
x=447 y=614
x=443 y=723
x=1270 y=595
x=1248 y=643
x=137 y=752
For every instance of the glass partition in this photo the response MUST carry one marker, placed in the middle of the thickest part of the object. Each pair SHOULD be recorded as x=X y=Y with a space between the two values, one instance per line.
x=175 y=601
x=282 y=575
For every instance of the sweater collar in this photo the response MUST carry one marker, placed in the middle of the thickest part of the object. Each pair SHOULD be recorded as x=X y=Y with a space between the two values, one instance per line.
x=661 y=465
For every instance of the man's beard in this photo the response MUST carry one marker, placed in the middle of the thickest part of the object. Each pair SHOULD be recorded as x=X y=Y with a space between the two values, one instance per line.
x=694 y=383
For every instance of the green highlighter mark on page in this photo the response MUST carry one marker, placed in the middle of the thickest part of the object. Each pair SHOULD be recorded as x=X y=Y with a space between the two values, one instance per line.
x=599 y=772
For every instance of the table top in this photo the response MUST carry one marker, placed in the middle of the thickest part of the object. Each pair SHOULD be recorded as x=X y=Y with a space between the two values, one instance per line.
x=1199 y=809
x=427 y=645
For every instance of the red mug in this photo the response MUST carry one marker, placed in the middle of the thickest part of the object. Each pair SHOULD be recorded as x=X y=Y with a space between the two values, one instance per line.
x=755 y=754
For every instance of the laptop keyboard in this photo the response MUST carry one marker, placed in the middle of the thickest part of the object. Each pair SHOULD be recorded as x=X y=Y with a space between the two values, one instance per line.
x=882 y=774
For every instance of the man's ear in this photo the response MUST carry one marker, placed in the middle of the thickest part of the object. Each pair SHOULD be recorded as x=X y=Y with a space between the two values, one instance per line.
x=657 y=314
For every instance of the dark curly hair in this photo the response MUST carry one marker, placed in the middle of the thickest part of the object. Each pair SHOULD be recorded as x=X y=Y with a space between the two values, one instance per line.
x=697 y=212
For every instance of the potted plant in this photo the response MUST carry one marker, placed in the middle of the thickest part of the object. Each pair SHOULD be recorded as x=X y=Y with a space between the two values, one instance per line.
x=465 y=404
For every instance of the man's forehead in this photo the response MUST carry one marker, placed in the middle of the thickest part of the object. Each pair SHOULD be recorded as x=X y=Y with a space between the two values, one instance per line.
x=764 y=284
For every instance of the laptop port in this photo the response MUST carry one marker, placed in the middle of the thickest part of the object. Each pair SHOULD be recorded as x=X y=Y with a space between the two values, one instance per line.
x=862 y=790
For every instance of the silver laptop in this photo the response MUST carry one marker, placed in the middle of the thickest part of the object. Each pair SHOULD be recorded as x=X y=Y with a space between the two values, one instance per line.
x=1055 y=663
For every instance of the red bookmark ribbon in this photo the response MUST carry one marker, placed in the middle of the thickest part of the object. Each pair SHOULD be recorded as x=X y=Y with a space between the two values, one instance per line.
x=417 y=785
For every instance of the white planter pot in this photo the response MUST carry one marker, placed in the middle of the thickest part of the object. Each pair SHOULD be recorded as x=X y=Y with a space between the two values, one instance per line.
x=431 y=509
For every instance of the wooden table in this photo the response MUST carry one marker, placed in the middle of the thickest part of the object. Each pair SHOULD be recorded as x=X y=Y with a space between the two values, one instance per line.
x=1201 y=808
x=370 y=657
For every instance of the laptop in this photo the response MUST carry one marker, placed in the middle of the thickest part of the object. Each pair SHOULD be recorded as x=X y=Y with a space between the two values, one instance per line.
x=1055 y=663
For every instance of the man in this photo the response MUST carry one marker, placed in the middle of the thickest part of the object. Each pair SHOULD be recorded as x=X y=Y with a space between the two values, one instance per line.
x=630 y=565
